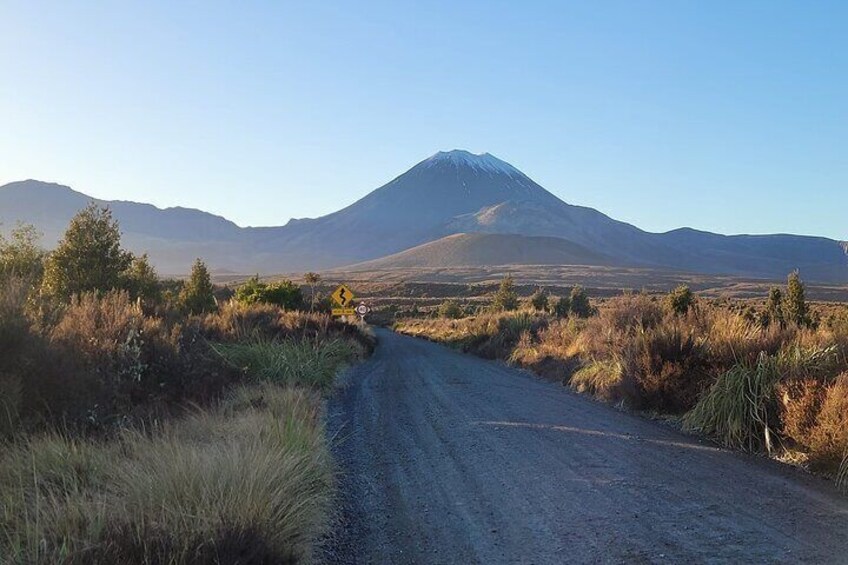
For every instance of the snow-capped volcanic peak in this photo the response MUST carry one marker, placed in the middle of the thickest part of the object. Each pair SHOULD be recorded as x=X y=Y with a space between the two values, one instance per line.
x=484 y=162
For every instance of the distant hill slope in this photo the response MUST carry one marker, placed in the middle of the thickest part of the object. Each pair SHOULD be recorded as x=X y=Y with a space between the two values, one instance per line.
x=450 y=193
x=174 y=237
x=479 y=250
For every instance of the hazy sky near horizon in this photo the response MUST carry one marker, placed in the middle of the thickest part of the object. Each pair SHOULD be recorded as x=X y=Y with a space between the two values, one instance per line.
x=725 y=116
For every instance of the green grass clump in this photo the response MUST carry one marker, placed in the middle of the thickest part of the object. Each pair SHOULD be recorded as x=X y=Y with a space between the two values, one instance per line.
x=309 y=363
x=735 y=409
x=740 y=408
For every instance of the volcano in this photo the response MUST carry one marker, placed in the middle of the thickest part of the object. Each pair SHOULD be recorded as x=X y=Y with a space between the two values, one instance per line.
x=415 y=217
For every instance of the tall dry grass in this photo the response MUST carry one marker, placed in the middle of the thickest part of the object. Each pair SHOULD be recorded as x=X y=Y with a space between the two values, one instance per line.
x=246 y=481
x=728 y=375
x=130 y=435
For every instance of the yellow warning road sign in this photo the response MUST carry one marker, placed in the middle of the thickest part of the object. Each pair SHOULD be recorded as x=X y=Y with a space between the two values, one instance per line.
x=344 y=311
x=342 y=296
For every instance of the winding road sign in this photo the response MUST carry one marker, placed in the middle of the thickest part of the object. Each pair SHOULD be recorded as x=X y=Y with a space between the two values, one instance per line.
x=342 y=296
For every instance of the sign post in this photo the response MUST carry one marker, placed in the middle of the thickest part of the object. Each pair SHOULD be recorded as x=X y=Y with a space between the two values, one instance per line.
x=363 y=309
x=343 y=296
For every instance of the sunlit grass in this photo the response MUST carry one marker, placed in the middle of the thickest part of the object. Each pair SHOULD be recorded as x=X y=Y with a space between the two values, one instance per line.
x=251 y=476
x=310 y=363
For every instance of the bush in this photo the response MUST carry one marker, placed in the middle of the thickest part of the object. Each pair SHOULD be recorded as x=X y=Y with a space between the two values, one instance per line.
x=669 y=368
x=562 y=307
x=284 y=294
x=829 y=434
x=680 y=300
x=580 y=306
x=141 y=280
x=89 y=258
x=451 y=310
x=795 y=307
x=198 y=294
x=22 y=257
x=539 y=300
x=506 y=299
x=774 y=308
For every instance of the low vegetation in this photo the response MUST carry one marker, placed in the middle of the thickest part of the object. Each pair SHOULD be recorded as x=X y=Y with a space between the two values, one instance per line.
x=149 y=421
x=769 y=376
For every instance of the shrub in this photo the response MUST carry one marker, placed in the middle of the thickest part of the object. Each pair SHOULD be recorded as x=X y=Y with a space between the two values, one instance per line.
x=732 y=339
x=680 y=300
x=506 y=298
x=795 y=306
x=539 y=300
x=562 y=307
x=580 y=302
x=14 y=338
x=829 y=434
x=22 y=257
x=198 y=294
x=284 y=294
x=668 y=368
x=141 y=280
x=450 y=309
x=774 y=307
x=89 y=258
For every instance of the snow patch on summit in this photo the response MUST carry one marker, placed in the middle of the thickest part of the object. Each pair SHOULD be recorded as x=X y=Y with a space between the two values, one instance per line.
x=484 y=162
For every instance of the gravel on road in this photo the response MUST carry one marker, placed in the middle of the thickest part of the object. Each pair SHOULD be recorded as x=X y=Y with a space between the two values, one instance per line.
x=448 y=458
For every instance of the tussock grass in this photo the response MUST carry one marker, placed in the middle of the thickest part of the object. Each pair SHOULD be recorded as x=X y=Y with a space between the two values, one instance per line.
x=602 y=379
x=310 y=363
x=741 y=408
x=736 y=408
x=248 y=480
x=727 y=370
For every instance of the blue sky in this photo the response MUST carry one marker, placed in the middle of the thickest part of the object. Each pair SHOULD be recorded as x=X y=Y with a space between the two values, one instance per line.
x=727 y=116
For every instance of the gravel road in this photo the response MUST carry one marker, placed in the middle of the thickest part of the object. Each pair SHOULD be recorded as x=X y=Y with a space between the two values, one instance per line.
x=447 y=458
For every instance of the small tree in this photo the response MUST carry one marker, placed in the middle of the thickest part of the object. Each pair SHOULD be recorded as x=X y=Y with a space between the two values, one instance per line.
x=312 y=279
x=141 y=279
x=680 y=300
x=22 y=256
x=580 y=302
x=774 y=307
x=197 y=296
x=795 y=307
x=539 y=301
x=450 y=309
x=88 y=258
x=506 y=298
x=562 y=307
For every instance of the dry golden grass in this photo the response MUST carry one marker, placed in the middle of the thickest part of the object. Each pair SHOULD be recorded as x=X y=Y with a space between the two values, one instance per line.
x=248 y=480
x=749 y=386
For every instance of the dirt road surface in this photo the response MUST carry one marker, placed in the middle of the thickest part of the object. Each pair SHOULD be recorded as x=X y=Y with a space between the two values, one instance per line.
x=447 y=458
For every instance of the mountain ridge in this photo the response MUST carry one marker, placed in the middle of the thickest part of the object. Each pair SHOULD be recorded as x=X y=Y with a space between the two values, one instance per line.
x=449 y=193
